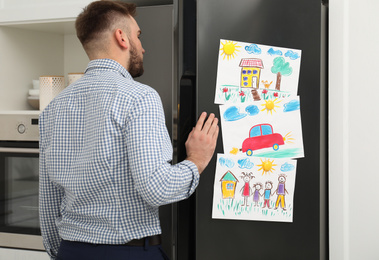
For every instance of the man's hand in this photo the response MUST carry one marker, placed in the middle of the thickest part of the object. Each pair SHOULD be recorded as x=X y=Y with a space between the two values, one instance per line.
x=201 y=142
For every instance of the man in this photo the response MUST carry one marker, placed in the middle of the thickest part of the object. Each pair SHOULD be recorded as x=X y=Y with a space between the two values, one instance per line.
x=105 y=152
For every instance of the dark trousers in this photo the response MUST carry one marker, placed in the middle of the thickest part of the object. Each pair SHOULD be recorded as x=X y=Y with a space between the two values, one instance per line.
x=69 y=250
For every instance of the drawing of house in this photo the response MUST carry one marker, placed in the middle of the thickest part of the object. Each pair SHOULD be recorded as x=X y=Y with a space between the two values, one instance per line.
x=250 y=72
x=228 y=185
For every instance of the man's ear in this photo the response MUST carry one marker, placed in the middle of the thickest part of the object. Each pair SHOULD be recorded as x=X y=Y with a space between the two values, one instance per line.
x=121 y=39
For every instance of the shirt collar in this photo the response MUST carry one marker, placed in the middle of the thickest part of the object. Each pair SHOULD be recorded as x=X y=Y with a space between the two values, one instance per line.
x=108 y=64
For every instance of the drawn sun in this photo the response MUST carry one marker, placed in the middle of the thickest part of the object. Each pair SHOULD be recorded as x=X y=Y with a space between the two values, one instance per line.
x=229 y=49
x=288 y=138
x=270 y=105
x=267 y=166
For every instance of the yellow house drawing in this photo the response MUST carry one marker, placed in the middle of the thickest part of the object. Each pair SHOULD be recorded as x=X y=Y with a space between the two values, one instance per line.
x=228 y=185
x=250 y=72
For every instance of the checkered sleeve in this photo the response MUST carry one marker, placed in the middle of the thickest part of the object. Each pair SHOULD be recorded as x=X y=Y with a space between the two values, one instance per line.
x=49 y=206
x=149 y=152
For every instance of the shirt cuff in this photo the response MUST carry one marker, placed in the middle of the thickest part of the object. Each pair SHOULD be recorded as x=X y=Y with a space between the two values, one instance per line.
x=195 y=175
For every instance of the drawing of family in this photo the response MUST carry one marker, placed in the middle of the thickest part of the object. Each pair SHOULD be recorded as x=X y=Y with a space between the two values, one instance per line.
x=255 y=191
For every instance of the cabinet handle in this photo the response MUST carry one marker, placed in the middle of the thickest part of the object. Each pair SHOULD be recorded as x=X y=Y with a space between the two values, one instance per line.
x=18 y=150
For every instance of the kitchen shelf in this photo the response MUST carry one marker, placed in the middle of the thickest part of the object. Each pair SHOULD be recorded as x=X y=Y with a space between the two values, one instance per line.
x=44 y=47
x=61 y=26
x=37 y=38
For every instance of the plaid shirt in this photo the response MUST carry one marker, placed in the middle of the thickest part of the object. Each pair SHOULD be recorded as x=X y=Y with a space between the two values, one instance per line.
x=105 y=161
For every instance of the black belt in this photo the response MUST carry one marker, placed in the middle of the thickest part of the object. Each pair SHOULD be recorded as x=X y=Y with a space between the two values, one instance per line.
x=153 y=241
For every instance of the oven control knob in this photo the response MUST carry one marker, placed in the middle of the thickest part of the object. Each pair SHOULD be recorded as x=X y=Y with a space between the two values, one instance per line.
x=21 y=128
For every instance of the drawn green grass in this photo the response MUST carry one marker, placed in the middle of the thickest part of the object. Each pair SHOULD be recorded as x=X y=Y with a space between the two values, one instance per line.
x=235 y=207
x=232 y=94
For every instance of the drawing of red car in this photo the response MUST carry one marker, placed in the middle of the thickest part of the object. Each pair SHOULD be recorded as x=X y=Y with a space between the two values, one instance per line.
x=261 y=136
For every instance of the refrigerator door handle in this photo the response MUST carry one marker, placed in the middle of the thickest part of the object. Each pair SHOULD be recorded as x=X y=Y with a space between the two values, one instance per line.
x=186 y=111
x=186 y=209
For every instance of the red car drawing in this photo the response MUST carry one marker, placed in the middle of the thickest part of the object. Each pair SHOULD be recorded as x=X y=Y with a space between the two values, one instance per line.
x=261 y=136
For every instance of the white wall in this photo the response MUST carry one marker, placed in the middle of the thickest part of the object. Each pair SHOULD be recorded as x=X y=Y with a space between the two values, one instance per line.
x=353 y=129
x=75 y=58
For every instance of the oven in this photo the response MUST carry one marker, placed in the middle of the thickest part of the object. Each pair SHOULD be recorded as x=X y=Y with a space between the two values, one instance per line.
x=19 y=173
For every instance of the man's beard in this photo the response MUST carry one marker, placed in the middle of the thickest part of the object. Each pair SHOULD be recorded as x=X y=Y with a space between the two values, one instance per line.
x=135 y=62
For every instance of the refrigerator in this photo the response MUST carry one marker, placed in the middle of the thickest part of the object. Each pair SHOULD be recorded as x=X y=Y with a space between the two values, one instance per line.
x=181 y=39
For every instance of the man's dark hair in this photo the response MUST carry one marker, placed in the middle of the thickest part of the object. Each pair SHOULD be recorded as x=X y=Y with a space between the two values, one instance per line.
x=99 y=16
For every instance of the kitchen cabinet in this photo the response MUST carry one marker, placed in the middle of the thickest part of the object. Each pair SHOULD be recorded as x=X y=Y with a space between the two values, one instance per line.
x=11 y=254
x=33 y=49
x=26 y=11
x=38 y=38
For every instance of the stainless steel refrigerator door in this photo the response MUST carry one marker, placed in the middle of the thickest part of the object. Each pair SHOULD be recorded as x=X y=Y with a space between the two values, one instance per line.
x=287 y=23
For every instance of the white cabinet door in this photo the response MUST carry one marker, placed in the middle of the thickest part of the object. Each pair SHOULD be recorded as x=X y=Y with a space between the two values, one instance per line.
x=15 y=254
x=29 y=11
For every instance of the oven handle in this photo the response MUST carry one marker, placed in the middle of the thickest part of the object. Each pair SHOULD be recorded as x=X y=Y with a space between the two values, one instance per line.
x=18 y=150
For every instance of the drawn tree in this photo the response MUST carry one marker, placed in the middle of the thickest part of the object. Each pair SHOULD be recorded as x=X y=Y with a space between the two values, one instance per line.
x=280 y=68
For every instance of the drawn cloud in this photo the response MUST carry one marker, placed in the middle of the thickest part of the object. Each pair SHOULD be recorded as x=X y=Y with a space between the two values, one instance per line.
x=292 y=55
x=252 y=110
x=287 y=167
x=233 y=114
x=291 y=106
x=226 y=162
x=253 y=49
x=245 y=163
x=272 y=52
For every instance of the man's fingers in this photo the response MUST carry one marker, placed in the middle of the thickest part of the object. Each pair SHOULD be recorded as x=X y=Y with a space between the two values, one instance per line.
x=213 y=126
x=215 y=129
x=200 y=122
x=210 y=126
x=208 y=123
x=201 y=142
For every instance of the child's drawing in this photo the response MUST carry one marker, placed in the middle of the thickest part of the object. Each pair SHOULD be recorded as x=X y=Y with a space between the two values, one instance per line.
x=261 y=136
x=257 y=194
x=248 y=72
x=281 y=192
x=255 y=199
x=267 y=194
x=267 y=166
x=228 y=185
x=246 y=190
x=266 y=128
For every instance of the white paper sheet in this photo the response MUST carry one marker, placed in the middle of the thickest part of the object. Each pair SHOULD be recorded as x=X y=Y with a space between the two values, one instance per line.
x=246 y=67
x=249 y=188
x=266 y=128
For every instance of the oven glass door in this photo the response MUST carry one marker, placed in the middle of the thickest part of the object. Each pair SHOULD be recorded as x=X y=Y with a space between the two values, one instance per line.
x=19 y=171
